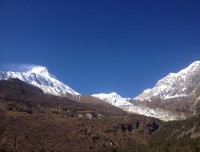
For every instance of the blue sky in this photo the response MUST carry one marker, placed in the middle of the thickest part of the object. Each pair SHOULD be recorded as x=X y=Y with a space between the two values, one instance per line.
x=98 y=46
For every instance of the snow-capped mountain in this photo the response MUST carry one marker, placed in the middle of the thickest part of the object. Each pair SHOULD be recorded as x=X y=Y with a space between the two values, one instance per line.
x=175 y=85
x=175 y=97
x=113 y=99
x=40 y=77
x=127 y=104
x=177 y=94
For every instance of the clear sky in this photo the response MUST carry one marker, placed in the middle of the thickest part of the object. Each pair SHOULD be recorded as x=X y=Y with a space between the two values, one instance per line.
x=99 y=46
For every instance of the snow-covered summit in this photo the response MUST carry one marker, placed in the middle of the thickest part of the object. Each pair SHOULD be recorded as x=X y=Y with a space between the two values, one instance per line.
x=113 y=99
x=40 y=77
x=110 y=95
x=41 y=70
x=174 y=85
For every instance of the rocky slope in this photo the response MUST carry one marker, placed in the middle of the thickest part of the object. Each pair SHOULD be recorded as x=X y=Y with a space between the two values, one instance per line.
x=34 y=121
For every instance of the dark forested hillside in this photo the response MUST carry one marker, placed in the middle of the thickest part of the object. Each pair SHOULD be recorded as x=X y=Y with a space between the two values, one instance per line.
x=175 y=136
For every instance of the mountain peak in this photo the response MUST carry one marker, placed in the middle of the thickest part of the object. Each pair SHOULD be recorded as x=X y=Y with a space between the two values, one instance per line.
x=174 y=85
x=114 y=94
x=108 y=95
x=39 y=76
x=40 y=70
x=113 y=99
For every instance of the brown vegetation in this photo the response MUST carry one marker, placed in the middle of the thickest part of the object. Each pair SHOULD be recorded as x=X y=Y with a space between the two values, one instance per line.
x=33 y=121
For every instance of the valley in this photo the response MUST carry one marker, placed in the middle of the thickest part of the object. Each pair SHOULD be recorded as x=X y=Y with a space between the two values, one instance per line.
x=40 y=113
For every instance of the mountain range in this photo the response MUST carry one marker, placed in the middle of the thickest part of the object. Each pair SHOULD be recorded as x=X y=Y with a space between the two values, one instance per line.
x=175 y=97
x=40 y=113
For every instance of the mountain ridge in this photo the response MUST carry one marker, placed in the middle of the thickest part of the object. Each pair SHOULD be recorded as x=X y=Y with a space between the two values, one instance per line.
x=174 y=84
x=174 y=97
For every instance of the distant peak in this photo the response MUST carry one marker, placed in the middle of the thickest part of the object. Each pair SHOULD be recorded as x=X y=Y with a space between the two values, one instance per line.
x=114 y=93
x=38 y=70
x=39 y=76
x=108 y=95
x=30 y=68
